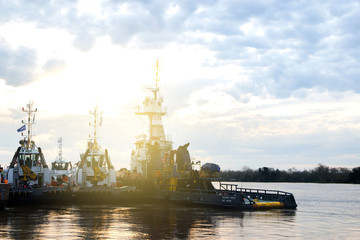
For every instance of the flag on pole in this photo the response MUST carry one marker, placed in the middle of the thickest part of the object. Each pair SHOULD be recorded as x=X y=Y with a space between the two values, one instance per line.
x=23 y=128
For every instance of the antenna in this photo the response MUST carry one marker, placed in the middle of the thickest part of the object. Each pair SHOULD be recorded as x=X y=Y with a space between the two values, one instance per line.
x=157 y=79
x=31 y=114
x=60 y=140
x=97 y=122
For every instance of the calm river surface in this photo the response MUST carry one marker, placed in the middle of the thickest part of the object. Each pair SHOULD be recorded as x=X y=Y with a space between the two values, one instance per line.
x=325 y=211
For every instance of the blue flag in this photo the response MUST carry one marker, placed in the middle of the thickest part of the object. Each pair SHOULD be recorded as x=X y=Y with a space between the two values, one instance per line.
x=23 y=128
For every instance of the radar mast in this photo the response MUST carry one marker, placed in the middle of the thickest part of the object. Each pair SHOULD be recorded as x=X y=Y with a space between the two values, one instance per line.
x=97 y=122
x=30 y=121
x=60 y=141
x=146 y=145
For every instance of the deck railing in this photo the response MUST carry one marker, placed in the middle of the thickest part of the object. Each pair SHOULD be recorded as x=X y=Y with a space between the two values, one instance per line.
x=235 y=188
x=261 y=194
x=247 y=193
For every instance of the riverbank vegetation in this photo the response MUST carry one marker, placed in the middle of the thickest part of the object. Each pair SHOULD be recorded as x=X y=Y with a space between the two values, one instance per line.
x=320 y=174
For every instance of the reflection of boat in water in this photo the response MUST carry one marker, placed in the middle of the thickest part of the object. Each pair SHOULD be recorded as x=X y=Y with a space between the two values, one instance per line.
x=61 y=170
x=28 y=173
x=167 y=174
x=95 y=176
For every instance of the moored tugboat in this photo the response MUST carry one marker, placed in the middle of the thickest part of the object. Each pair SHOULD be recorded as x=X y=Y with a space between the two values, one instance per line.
x=163 y=174
x=61 y=173
x=28 y=174
x=95 y=176
x=152 y=149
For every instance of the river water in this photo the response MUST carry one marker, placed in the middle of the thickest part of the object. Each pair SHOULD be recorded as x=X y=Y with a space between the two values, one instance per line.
x=325 y=211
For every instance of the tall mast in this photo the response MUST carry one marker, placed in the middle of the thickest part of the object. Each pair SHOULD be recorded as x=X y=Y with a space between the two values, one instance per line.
x=31 y=113
x=60 y=149
x=157 y=79
x=152 y=107
x=96 y=124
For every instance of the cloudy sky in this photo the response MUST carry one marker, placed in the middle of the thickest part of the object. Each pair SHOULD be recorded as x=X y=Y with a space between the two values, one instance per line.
x=247 y=83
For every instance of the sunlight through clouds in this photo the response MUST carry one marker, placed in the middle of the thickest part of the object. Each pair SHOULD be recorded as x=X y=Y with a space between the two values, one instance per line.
x=255 y=84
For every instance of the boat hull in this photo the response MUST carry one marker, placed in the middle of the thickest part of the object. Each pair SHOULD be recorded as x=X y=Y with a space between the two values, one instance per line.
x=4 y=194
x=39 y=196
x=106 y=195
x=220 y=200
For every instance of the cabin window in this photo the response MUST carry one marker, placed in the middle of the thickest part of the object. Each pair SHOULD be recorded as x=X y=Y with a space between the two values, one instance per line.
x=28 y=159
x=60 y=166
x=93 y=161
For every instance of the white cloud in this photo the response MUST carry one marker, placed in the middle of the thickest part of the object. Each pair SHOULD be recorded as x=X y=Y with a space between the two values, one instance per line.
x=288 y=116
x=252 y=28
x=273 y=131
x=248 y=81
x=91 y=7
x=172 y=9
x=48 y=42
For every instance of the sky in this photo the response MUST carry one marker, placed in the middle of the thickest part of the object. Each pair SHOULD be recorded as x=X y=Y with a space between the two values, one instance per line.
x=247 y=83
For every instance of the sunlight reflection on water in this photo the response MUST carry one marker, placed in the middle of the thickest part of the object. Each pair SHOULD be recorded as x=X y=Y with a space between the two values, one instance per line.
x=324 y=211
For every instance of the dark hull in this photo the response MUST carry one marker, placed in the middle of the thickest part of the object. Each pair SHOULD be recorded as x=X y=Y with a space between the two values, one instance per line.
x=227 y=196
x=100 y=195
x=39 y=196
x=4 y=194
x=63 y=196
x=218 y=200
x=242 y=199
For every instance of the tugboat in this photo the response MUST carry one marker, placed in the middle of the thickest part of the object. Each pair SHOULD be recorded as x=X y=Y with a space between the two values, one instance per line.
x=172 y=175
x=28 y=174
x=153 y=150
x=61 y=171
x=95 y=176
x=95 y=167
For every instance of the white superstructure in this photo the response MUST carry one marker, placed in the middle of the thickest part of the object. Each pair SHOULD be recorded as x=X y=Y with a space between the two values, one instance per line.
x=152 y=150
x=61 y=170
x=95 y=167
x=28 y=167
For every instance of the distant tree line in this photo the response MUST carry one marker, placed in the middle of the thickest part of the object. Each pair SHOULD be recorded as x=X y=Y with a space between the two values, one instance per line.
x=320 y=174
